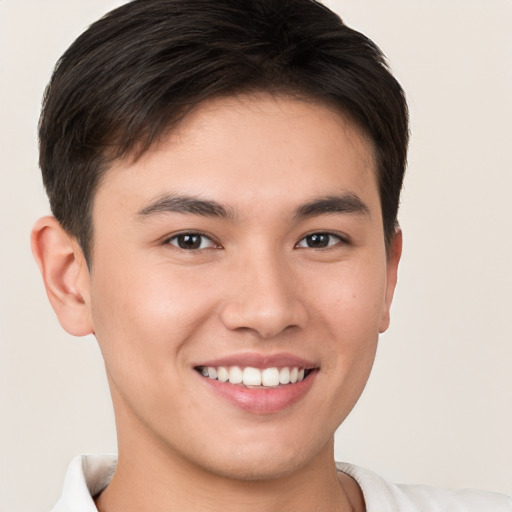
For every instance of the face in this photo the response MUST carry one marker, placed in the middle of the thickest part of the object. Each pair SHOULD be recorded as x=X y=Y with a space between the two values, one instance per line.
x=239 y=282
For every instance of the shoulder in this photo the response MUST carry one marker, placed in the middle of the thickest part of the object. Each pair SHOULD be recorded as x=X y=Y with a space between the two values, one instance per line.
x=382 y=496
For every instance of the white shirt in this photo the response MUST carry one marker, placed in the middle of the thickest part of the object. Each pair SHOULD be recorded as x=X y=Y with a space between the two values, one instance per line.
x=90 y=474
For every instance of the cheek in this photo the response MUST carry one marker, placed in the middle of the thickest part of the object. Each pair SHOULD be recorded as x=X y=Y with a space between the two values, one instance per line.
x=352 y=299
x=142 y=318
x=350 y=312
x=142 y=325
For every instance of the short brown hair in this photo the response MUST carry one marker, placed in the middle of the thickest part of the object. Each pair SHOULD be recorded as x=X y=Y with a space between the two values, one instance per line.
x=136 y=72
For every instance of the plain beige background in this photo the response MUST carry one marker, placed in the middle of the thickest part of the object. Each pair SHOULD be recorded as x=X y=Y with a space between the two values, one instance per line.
x=437 y=409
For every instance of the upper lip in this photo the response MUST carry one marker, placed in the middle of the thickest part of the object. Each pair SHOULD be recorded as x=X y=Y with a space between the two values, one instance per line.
x=258 y=360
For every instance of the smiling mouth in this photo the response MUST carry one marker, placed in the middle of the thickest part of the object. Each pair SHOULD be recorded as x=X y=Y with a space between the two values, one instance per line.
x=250 y=377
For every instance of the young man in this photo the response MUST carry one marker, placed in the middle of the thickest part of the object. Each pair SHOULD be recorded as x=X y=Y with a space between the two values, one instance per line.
x=225 y=179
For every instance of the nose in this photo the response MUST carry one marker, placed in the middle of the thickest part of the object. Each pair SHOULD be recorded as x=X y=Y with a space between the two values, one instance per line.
x=265 y=298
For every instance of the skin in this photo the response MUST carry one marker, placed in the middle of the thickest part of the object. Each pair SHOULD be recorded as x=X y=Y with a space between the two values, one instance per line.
x=255 y=285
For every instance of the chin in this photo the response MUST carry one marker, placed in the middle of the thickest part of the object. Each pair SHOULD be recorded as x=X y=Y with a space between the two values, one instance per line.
x=263 y=461
x=256 y=469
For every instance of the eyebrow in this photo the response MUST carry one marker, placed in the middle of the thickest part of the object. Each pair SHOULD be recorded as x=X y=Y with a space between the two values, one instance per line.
x=174 y=203
x=345 y=203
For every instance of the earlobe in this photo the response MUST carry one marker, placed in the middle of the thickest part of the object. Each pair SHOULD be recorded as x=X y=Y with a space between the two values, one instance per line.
x=393 y=259
x=65 y=275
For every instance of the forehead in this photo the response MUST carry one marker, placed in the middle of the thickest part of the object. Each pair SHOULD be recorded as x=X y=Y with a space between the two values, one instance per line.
x=263 y=148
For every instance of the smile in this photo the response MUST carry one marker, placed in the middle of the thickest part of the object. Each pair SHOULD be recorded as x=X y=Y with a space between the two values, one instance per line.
x=259 y=383
x=255 y=377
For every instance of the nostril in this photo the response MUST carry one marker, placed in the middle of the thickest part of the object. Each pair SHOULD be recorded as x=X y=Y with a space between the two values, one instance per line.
x=263 y=320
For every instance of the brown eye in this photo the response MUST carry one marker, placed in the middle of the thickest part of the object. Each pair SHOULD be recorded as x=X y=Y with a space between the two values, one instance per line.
x=191 y=241
x=319 y=241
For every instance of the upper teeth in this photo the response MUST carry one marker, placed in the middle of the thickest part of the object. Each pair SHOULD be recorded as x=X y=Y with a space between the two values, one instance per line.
x=254 y=376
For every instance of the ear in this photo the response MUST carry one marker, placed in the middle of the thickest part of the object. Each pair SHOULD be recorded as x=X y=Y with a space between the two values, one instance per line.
x=65 y=275
x=393 y=258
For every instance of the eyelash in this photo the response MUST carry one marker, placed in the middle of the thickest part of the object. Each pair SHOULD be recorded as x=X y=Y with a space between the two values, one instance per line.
x=191 y=234
x=319 y=235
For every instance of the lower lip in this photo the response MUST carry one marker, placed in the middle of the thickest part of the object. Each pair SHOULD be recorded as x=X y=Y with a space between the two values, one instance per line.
x=261 y=400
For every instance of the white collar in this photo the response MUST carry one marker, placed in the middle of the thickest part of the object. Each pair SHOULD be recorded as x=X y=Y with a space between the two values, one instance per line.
x=87 y=476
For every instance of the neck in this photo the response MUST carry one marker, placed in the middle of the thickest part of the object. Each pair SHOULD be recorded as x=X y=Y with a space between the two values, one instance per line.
x=151 y=480
x=153 y=476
